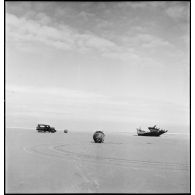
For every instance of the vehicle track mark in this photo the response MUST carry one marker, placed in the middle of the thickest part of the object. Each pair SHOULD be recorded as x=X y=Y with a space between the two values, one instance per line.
x=62 y=152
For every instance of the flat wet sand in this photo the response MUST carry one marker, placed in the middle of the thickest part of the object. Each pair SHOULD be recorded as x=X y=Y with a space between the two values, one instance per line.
x=125 y=163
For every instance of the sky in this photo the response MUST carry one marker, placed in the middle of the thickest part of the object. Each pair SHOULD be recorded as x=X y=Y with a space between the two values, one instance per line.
x=86 y=66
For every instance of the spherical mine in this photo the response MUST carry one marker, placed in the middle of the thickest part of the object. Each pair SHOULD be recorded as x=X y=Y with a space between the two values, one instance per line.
x=98 y=137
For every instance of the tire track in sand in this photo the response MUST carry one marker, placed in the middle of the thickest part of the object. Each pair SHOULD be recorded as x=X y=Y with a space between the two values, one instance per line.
x=61 y=151
x=87 y=184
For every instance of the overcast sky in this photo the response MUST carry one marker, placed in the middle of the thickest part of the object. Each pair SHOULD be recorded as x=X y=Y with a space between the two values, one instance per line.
x=97 y=65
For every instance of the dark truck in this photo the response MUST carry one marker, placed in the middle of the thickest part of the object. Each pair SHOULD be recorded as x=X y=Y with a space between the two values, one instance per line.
x=45 y=128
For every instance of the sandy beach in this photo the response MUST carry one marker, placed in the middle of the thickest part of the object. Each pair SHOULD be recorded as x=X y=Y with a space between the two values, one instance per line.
x=125 y=163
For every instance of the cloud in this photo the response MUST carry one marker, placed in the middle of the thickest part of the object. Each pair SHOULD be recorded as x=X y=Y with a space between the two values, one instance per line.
x=66 y=38
x=85 y=15
x=178 y=11
x=126 y=47
x=126 y=55
x=64 y=104
x=145 y=40
x=103 y=24
x=43 y=19
x=61 y=37
x=61 y=92
x=140 y=5
x=21 y=29
x=151 y=41
x=89 y=41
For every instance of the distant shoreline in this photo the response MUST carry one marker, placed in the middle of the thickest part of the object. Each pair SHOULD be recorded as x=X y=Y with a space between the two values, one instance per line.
x=81 y=131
